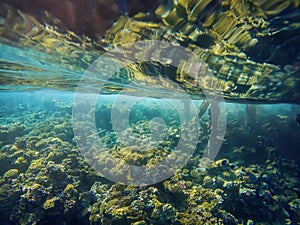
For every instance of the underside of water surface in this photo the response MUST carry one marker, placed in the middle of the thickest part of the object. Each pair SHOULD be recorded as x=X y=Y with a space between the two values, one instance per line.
x=137 y=112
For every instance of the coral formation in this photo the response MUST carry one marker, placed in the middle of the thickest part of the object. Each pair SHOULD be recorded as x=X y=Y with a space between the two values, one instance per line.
x=46 y=180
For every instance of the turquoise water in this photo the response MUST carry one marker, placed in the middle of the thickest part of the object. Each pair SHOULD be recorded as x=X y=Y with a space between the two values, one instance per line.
x=47 y=179
x=78 y=146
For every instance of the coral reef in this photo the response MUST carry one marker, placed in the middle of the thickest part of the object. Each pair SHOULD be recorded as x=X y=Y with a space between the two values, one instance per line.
x=46 y=180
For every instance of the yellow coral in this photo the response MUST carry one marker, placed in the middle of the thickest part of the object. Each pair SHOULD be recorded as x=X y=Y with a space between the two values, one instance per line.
x=50 y=203
x=21 y=160
x=12 y=173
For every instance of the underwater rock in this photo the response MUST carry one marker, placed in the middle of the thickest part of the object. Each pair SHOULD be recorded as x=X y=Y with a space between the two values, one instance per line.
x=8 y=134
x=249 y=222
x=9 y=196
x=163 y=213
x=45 y=176
x=46 y=180
x=141 y=222
x=177 y=189
x=4 y=162
x=222 y=163
x=11 y=174
x=246 y=193
x=124 y=205
x=131 y=205
x=295 y=206
x=203 y=208
x=195 y=174
x=28 y=211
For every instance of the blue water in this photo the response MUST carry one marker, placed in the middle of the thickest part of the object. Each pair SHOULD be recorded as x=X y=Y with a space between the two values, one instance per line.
x=40 y=159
